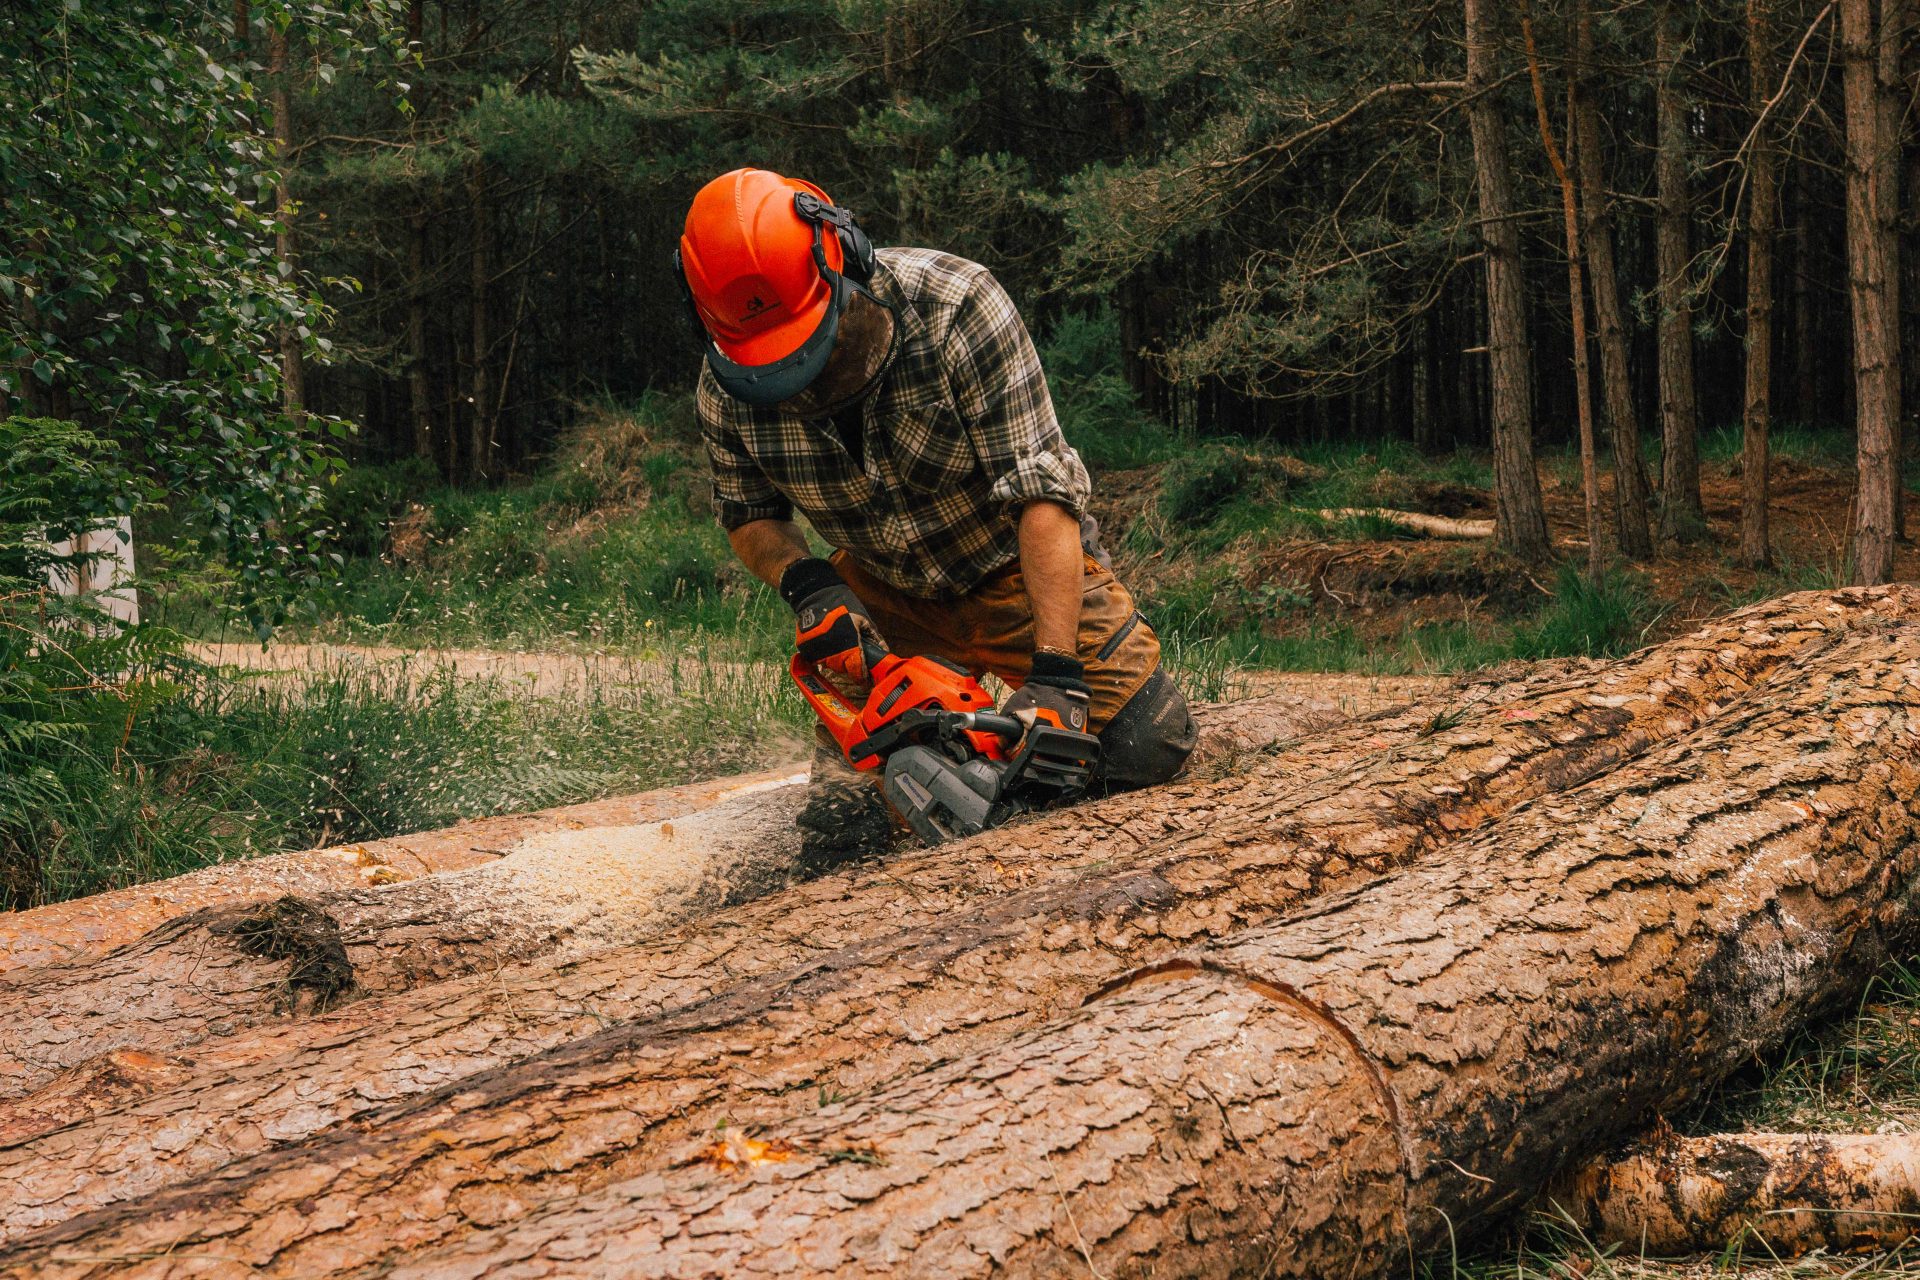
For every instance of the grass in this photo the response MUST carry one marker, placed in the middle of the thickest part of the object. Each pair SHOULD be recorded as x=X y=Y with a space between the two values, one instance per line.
x=234 y=765
x=1280 y=628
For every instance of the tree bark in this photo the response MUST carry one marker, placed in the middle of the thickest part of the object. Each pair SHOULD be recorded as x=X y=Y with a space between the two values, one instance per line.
x=293 y=369
x=1379 y=1078
x=350 y=1061
x=1610 y=328
x=222 y=970
x=1576 y=294
x=954 y=975
x=1519 y=518
x=480 y=278
x=1681 y=516
x=1762 y=204
x=1772 y=1195
x=1872 y=284
x=1329 y=1094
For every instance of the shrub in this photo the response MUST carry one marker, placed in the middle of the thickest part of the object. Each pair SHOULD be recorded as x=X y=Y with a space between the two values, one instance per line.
x=1195 y=487
x=1590 y=619
x=363 y=501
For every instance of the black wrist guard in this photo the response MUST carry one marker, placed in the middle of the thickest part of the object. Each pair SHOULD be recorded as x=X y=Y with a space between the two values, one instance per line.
x=1058 y=670
x=804 y=577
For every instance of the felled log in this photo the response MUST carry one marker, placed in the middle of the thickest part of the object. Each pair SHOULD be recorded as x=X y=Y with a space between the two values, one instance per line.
x=215 y=971
x=1772 y=1195
x=583 y=1114
x=86 y=928
x=1342 y=1092
x=218 y=971
x=277 y=1084
x=1413 y=521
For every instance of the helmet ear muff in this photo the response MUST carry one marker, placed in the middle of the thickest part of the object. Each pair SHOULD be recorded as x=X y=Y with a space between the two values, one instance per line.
x=696 y=327
x=856 y=252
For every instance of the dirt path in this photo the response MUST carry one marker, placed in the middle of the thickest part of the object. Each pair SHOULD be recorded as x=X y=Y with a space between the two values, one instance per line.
x=544 y=673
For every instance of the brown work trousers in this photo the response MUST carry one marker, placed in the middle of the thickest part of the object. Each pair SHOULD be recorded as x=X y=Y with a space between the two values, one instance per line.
x=1145 y=730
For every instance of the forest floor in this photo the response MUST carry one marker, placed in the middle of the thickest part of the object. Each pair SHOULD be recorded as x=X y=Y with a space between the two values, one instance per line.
x=1255 y=567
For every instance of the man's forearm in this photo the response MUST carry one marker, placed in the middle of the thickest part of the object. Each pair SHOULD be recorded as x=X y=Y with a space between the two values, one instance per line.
x=767 y=547
x=1051 y=563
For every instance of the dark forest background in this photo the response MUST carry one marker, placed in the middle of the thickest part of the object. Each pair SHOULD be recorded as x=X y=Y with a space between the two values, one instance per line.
x=1281 y=226
x=1278 y=221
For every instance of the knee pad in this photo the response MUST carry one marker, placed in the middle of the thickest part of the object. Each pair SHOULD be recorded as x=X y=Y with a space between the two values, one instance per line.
x=1149 y=739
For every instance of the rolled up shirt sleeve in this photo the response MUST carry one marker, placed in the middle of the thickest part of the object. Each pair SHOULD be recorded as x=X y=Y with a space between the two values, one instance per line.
x=742 y=493
x=1000 y=391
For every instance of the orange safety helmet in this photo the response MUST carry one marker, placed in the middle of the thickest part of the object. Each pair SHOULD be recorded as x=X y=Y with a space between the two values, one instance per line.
x=765 y=284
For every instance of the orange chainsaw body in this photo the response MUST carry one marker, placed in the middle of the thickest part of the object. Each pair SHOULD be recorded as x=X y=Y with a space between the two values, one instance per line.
x=900 y=685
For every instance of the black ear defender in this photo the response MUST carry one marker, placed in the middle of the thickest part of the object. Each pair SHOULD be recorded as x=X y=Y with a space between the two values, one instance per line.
x=697 y=328
x=856 y=251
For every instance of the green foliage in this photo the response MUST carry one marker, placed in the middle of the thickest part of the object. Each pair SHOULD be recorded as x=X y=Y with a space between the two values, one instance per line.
x=137 y=262
x=1098 y=411
x=72 y=680
x=609 y=547
x=1197 y=487
x=360 y=502
x=1589 y=619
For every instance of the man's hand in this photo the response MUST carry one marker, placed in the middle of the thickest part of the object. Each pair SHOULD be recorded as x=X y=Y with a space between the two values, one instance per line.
x=1056 y=692
x=833 y=629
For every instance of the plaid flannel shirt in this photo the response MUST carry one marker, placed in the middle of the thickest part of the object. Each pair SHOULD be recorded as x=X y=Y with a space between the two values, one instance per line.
x=959 y=436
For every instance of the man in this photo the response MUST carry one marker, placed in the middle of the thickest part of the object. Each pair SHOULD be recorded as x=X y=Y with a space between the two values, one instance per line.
x=895 y=400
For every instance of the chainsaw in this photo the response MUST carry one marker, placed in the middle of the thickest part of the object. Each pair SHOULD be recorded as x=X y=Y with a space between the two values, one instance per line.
x=950 y=764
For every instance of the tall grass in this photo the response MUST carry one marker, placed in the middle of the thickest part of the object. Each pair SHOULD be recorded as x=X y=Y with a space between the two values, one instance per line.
x=1581 y=619
x=239 y=764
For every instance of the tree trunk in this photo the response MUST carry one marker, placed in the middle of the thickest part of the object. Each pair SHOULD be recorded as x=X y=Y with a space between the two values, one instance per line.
x=419 y=369
x=220 y=970
x=1681 y=515
x=1756 y=418
x=1610 y=328
x=1323 y=1095
x=293 y=370
x=958 y=974
x=1772 y=1195
x=1894 y=100
x=351 y=1060
x=1376 y=1079
x=480 y=388
x=224 y=969
x=1871 y=283
x=1576 y=294
x=1519 y=518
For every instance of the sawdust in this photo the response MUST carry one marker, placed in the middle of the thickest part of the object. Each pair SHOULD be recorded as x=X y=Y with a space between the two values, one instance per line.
x=602 y=886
